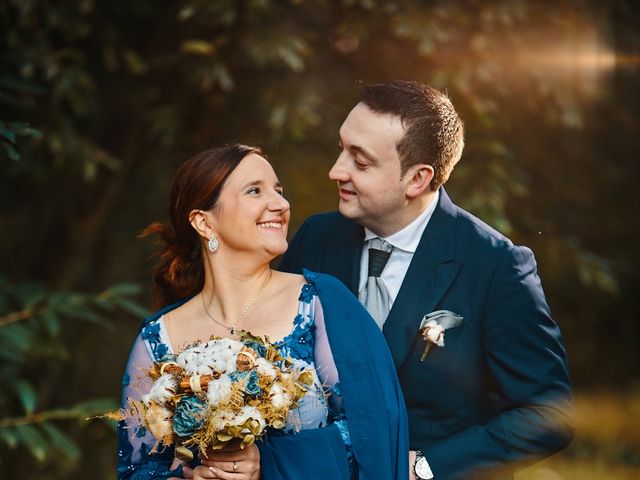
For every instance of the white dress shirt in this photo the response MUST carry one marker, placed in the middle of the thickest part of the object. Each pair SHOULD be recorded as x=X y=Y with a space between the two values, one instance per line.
x=405 y=242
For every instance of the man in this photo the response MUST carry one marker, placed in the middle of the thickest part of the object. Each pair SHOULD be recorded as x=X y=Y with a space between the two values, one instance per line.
x=491 y=392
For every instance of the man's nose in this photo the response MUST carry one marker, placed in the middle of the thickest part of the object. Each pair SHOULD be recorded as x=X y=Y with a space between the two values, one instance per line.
x=339 y=171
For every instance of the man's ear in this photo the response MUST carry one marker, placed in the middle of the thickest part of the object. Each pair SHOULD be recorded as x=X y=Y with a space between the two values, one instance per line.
x=418 y=179
x=201 y=222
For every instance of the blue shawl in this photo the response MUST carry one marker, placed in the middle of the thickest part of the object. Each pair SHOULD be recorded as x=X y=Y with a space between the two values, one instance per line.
x=373 y=402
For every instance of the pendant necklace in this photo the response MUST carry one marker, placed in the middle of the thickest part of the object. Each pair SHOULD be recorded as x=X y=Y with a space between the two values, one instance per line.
x=232 y=328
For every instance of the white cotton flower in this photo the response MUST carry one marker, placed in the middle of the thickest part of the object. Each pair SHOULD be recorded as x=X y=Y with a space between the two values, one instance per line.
x=265 y=367
x=279 y=398
x=207 y=356
x=218 y=390
x=434 y=332
x=217 y=365
x=221 y=357
x=230 y=367
x=204 y=370
x=181 y=361
x=188 y=360
x=221 y=419
x=235 y=348
x=248 y=412
x=162 y=390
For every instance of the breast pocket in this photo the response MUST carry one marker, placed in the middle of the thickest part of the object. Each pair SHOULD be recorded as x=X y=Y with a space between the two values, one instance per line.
x=452 y=335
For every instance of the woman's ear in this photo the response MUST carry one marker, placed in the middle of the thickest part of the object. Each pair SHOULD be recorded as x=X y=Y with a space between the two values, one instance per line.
x=201 y=222
x=419 y=178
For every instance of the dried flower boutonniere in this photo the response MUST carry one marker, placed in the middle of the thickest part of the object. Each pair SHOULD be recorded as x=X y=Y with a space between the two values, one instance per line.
x=433 y=327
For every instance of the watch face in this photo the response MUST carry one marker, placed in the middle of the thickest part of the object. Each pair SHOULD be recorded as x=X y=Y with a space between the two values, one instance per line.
x=422 y=469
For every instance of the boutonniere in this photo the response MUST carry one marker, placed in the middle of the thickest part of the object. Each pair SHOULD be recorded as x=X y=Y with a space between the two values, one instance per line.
x=433 y=327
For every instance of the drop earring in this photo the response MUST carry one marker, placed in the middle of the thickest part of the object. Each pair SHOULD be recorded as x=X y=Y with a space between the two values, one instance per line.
x=213 y=244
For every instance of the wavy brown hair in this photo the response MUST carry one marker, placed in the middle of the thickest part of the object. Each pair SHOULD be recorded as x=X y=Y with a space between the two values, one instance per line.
x=197 y=186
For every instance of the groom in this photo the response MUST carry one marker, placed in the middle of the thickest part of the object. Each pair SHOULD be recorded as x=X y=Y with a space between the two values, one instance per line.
x=496 y=394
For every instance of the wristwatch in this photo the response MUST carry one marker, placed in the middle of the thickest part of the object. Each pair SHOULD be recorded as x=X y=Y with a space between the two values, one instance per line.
x=421 y=468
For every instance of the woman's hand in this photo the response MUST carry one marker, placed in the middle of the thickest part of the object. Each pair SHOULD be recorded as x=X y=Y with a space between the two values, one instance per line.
x=230 y=463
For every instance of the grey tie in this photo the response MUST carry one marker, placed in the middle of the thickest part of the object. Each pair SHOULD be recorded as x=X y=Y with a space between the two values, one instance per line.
x=374 y=295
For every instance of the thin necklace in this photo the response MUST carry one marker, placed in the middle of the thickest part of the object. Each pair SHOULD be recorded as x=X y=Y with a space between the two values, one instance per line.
x=232 y=328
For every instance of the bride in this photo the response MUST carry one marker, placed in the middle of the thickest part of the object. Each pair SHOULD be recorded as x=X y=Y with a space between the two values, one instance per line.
x=229 y=219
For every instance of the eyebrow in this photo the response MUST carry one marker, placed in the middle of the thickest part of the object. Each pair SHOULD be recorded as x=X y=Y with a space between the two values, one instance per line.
x=256 y=183
x=360 y=150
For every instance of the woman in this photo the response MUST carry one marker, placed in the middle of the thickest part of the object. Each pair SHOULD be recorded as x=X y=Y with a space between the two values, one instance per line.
x=229 y=220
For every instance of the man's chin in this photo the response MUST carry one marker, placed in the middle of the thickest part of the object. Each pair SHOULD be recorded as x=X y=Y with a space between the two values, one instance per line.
x=346 y=210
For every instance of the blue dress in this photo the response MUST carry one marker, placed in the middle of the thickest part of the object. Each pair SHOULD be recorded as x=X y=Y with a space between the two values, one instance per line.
x=320 y=407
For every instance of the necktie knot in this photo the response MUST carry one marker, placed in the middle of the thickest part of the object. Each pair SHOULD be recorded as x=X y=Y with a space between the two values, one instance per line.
x=379 y=253
x=374 y=295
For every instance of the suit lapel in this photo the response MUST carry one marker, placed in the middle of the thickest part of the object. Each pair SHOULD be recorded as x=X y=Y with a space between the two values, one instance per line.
x=344 y=252
x=431 y=272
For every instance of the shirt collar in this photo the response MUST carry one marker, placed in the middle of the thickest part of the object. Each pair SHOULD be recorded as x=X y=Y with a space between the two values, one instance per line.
x=408 y=238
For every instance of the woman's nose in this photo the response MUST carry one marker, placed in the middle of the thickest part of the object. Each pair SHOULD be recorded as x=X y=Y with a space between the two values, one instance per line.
x=279 y=203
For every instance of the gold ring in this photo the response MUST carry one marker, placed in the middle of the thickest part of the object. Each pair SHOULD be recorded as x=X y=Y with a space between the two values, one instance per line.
x=235 y=467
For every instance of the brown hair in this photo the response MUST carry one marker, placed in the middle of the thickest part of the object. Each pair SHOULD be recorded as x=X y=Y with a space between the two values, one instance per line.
x=197 y=186
x=434 y=133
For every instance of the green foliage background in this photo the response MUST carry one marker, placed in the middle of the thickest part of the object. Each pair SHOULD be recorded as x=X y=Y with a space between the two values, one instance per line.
x=100 y=101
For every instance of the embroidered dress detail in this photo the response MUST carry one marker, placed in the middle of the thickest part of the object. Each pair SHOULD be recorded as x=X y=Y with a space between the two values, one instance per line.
x=155 y=336
x=318 y=408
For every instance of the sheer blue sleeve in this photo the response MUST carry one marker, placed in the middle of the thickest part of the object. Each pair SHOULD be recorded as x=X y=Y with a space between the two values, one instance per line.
x=138 y=457
x=328 y=374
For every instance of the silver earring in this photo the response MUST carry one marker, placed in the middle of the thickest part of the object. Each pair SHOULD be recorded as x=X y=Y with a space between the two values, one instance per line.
x=213 y=244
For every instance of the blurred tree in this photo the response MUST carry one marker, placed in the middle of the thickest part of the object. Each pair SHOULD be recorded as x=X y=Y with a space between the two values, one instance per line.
x=121 y=92
x=36 y=368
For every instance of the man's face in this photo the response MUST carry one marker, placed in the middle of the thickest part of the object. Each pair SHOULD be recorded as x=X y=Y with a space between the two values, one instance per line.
x=370 y=186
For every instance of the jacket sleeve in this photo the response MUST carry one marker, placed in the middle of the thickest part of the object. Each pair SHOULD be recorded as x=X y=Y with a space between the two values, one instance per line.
x=526 y=359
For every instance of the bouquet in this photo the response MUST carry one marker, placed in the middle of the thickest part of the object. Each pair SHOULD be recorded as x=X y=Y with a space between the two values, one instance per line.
x=218 y=391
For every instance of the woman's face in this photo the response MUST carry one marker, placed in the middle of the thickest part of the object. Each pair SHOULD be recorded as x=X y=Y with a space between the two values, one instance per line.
x=252 y=215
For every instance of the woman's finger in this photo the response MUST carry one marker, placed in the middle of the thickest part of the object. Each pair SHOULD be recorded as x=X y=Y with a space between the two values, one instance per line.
x=203 y=472
x=247 y=467
x=222 y=475
x=235 y=467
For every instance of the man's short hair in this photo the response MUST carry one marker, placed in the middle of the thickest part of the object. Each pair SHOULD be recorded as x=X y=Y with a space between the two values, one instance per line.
x=434 y=133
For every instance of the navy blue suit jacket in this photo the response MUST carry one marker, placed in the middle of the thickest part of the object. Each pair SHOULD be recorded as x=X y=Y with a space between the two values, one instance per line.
x=498 y=393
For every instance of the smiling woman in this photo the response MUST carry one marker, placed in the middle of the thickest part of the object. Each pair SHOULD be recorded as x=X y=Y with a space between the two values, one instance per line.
x=251 y=212
x=229 y=219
